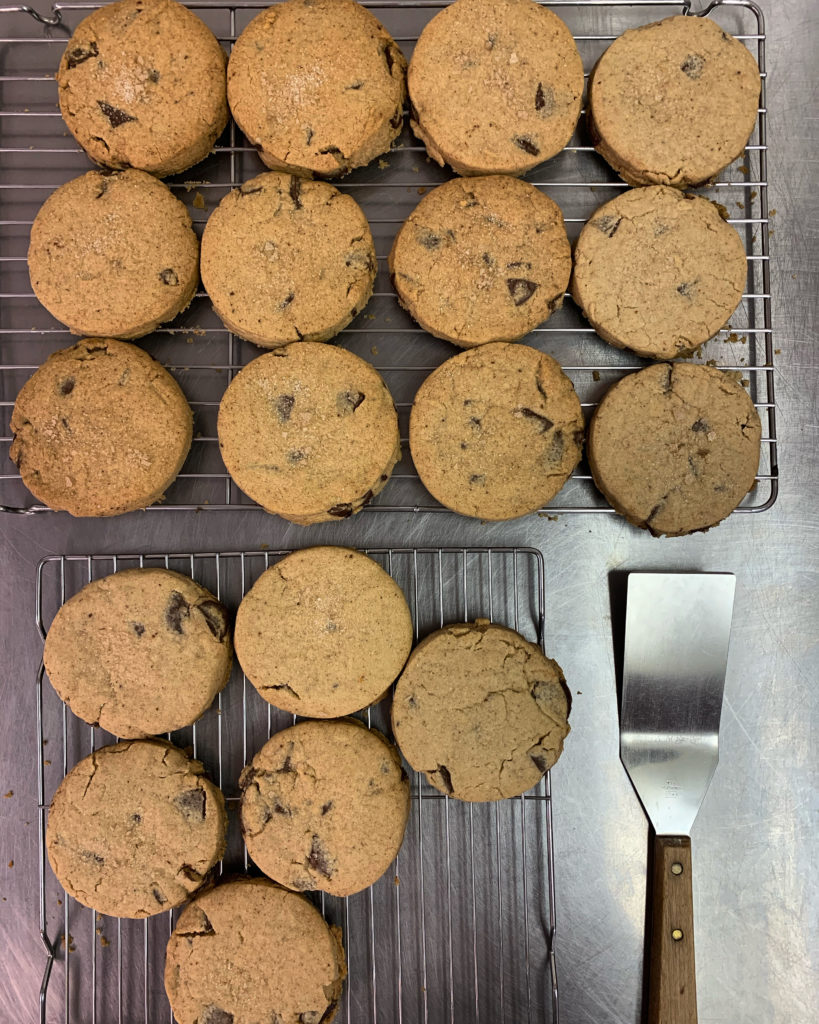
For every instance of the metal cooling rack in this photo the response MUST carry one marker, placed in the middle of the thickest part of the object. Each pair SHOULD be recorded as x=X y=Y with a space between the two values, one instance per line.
x=461 y=927
x=37 y=154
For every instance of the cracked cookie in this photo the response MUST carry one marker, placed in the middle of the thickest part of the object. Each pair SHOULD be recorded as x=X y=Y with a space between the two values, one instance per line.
x=249 y=952
x=675 y=447
x=496 y=431
x=140 y=652
x=658 y=271
x=482 y=259
x=113 y=253
x=480 y=711
x=100 y=429
x=674 y=102
x=142 y=84
x=494 y=86
x=325 y=806
x=284 y=259
x=135 y=828
x=318 y=86
x=323 y=632
x=310 y=432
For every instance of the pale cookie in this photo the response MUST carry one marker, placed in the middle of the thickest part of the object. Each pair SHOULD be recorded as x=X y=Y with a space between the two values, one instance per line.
x=482 y=259
x=100 y=429
x=480 y=711
x=318 y=86
x=140 y=652
x=658 y=271
x=496 y=431
x=142 y=84
x=135 y=828
x=113 y=254
x=675 y=447
x=284 y=259
x=310 y=432
x=324 y=806
x=495 y=86
x=323 y=632
x=249 y=952
x=674 y=102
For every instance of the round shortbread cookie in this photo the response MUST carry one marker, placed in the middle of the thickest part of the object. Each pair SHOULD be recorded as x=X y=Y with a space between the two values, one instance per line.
x=249 y=952
x=675 y=447
x=674 y=102
x=496 y=431
x=482 y=259
x=323 y=632
x=284 y=259
x=113 y=254
x=135 y=828
x=142 y=84
x=324 y=806
x=310 y=432
x=318 y=86
x=100 y=429
x=495 y=86
x=140 y=652
x=480 y=711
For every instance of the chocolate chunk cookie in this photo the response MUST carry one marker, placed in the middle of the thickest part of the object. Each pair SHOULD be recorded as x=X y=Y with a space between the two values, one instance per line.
x=482 y=259
x=324 y=806
x=495 y=86
x=310 y=432
x=249 y=952
x=496 y=431
x=675 y=447
x=142 y=84
x=480 y=711
x=113 y=254
x=284 y=259
x=674 y=102
x=135 y=828
x=318 y=86
x=140 y=652
x=101 y=428
x=658 y=271
x=323 y=632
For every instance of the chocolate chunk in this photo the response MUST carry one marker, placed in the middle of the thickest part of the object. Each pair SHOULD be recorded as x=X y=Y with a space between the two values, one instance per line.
x=295 y=192
x=192 y=804
x=311 y=1017
x=475 y=422
x=341 y=511
x=284 y=406
x=191 y=873
x=287 y=765
x=519 y=263
x=214 y=1015
x=138 y=628
x=364 y=260
x=686 y=289
x=327 y=807
x=389 y=57
x=202 y=927
x=544 y=99
x=487 y=259
x=215 y=617
x=526 y=144
x=555 y=453
x=168 y=276
x=443 y=776
x=136 y=819
x=428 y=238
x=477 y=478
x=177 y=608
x=159 y=896
x=331 y=151
x=153 y=76
x=544 y=421
x=280 y=808
x=349 y=401
x=693 y=65
x=470 y=199
x=245 y=191
x=354 y=87
x=701 y=426
x=540 y=762
x=287 y=300
x=368 y=495
x=67 y=386
x=318 y=858
x=520 y=289
x=295 y=457
x=64 y=422
x=114 y=115
x=397 y=118
x=79 y=54
x=608 y=224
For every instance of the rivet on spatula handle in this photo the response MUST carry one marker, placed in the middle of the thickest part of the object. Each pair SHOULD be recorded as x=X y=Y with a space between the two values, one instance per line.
x=672 y=993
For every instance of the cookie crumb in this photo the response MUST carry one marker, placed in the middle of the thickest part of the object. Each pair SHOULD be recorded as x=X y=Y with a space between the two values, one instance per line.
x=595 y=375
x=11 y=863
x=199 y=201
x=9 y=794
x=374 y=350
x=383 y=165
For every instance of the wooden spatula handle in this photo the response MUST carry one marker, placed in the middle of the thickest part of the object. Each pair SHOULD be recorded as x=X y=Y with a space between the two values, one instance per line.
x=672 y=990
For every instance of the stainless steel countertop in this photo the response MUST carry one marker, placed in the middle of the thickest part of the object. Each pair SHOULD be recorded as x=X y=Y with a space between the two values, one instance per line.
x=754 y=840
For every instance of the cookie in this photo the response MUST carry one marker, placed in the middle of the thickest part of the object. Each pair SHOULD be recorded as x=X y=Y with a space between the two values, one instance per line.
x=142 y=84
x=249 y=952
x=324 y=806
x=100 y=429
x=496 y=431
x=494 y=86
x=482 y=259
x=480 y=711
x=318 y=86
x=135 y=828
x=113 y=253
x=284 y=259
x=675 y=447
x=140 y=652
x=674 y=102
x=323 y=632
x=658 y=271
x=310 y=432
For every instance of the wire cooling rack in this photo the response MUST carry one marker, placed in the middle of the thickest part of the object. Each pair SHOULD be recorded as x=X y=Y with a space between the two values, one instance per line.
x=460 y=929
x=37 y=154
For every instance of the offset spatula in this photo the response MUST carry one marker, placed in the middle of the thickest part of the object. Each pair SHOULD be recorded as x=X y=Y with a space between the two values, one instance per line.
x=676 y=650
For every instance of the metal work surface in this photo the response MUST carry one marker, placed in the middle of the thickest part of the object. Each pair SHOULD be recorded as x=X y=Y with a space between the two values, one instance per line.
x=754 y=837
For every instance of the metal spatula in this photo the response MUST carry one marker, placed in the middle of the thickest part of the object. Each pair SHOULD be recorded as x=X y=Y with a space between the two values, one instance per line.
x=676 y=650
